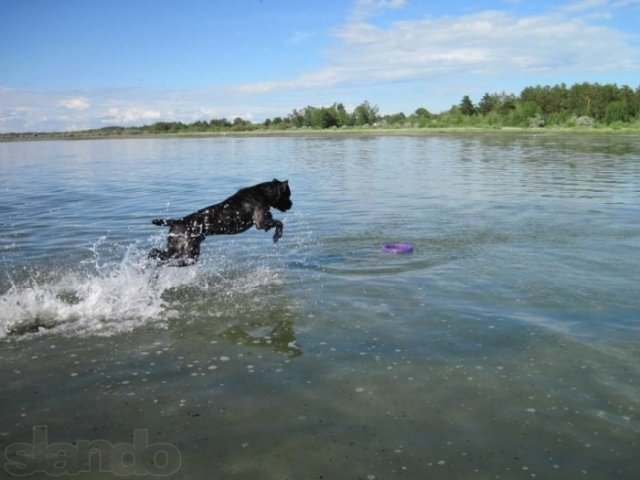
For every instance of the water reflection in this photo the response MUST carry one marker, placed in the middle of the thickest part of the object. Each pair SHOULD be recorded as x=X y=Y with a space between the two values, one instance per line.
x=505 y=346
x=278 y=337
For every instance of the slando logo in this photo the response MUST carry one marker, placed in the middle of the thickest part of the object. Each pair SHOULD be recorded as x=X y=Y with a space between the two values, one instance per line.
x=123 y=459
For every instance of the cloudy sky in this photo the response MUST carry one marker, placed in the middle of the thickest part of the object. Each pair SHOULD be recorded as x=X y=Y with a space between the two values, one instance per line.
x=77 y=64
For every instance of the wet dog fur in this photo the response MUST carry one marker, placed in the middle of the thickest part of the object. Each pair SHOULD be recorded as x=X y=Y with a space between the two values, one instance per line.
x=247 y=207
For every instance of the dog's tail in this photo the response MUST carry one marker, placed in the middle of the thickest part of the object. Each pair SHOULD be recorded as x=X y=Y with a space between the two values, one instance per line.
x=165 y=222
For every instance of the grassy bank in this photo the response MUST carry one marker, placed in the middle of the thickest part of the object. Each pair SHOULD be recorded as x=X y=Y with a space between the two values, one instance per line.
x=626 y=129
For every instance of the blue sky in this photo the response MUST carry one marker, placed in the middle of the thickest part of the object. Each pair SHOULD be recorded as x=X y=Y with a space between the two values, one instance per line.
x=76 y=64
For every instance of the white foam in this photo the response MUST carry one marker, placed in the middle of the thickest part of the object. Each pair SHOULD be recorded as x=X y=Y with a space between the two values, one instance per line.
x=110 y=298
x=118 y=289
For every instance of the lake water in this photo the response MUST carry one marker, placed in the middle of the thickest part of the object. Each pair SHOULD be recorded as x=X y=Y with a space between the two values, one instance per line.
x=505 y=346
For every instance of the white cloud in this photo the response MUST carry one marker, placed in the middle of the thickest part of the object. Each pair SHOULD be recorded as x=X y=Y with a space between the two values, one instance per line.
x=24 y=110
x=127 y=116
x=605 y=7
x=584 y=5
x=77 y=103
x=366 y=8
x=626 y=3
x=487 y=43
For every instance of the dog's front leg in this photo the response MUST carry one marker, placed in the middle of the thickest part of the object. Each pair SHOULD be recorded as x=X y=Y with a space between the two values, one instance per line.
x=263 y=220
x=278 y=235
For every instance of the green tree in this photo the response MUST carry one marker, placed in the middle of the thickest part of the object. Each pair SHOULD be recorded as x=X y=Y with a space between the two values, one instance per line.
x=579 y=100
x=616 y=112
x=421 y=117
x=467 y=107
x=530 y=109
x=487 y=103
x=241 y=125
x=325 y=118
x=341 y=115
x=365 y=114
x=296 y=118
x=395 y=119
x=627 y=96
x=549 y=99
x=219 y=123
x=198 y=126
x=507 y=103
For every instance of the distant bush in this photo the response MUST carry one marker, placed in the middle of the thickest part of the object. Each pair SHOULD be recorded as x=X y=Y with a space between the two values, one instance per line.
x=616 y=112
x=584 y=122
x=537 y=121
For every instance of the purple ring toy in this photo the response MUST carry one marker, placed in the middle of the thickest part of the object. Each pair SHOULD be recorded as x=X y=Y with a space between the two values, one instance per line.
x=397 y=247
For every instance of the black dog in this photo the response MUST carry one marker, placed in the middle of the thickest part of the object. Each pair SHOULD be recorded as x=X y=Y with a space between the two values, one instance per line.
x=249 y=206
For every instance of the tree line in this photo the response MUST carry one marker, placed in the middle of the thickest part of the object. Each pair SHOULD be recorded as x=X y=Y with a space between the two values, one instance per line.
x=581 y=105
x=584 y=105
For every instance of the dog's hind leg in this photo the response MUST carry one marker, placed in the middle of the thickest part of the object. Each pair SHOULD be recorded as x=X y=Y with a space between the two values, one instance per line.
x=183 y=246
x=157 y=253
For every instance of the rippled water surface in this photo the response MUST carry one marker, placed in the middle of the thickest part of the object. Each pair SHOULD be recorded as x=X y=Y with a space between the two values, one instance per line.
x=504 y=346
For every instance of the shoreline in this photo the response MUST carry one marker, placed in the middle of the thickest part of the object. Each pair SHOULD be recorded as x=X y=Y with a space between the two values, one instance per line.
x=309 y=132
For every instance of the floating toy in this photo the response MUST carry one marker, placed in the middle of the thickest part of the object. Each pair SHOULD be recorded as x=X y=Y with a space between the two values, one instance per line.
x=397 y=247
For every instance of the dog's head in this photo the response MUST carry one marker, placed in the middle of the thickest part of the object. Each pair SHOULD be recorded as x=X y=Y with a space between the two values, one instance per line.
x=280 y=195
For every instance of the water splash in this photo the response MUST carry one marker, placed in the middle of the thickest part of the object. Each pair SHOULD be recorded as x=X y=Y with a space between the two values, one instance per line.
x=95 y=297
x=117 y=289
